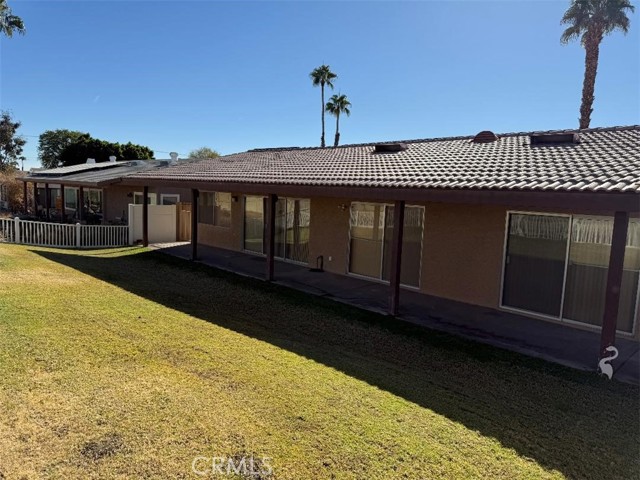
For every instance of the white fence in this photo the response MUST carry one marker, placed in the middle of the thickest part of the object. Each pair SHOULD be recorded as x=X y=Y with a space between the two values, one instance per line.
x=59 y=235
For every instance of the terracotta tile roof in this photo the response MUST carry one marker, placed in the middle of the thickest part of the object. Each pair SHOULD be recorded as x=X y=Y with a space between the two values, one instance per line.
x=606 y=159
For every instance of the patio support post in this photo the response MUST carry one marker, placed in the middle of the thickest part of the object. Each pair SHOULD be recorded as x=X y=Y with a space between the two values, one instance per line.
x=396 y=256
x=80 y=203
x=103 y=207
x=25 y=191
x=145 y=217
x=47 y=200
x=271 y=234
x=35 y=198
x=63 y=210
x=614 y=280
x=195 y=194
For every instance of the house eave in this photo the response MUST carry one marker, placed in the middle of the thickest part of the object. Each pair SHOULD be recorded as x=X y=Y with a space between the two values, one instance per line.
x=584 y=201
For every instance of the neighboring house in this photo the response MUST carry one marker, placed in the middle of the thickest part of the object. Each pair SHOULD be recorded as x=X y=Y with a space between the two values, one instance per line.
x=96 y=187
x=544 y=224
x=4 y=196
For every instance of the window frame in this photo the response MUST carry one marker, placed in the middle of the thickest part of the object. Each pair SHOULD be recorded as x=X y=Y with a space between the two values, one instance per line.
x=215 y=203
x=165 y=195
x=152 y=196
x=383 y=216
x=560 y=318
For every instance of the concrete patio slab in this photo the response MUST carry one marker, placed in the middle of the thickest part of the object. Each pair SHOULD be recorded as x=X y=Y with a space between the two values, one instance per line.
x=554 y=342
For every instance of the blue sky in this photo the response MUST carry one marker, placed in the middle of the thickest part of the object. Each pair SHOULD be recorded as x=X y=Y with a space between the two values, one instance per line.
x=232 y=76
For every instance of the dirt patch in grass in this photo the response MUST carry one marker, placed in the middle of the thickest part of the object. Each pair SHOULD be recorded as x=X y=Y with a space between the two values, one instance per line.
x=102 y=447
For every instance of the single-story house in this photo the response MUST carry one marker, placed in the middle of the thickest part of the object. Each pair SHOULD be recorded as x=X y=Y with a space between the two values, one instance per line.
x=92 y=193
x=545 y=224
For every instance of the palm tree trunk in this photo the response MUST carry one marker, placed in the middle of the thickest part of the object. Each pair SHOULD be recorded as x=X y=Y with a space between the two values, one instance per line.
x=322 y=96
x=337 y=139
x=592 y=52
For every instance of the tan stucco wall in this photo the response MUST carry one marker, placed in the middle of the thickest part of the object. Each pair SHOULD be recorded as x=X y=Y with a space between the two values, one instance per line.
x=462 y=252
x=117 y=201
x=229 y=238
x=330 y=233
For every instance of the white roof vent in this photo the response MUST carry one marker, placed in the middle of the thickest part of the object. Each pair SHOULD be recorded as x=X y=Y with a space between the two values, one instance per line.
x=91 y=160
x=112 y=158
x=174 y=157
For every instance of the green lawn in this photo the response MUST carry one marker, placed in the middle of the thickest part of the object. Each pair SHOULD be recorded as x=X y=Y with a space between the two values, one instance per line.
x=129 y=364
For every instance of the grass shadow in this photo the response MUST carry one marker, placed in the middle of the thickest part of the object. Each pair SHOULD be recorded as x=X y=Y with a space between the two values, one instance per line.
x=566 y=420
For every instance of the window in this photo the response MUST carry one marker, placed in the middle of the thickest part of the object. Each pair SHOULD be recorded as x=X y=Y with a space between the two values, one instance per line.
x=254 y=224
x=371 y=231
x=71 y=198
x=206 y=200
x=292 y=229
x=557 y=265
x=214 y=208
x=151 y=198
x=169 y=199
x=93 y=201
x=222 y=210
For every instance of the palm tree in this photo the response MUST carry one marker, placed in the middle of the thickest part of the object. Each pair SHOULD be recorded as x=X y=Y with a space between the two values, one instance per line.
x=9 y=22
x=591 y=20
x=336 y=105
x=322 y=76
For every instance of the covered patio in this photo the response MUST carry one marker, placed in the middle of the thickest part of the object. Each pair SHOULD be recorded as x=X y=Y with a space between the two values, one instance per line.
x=550 y=341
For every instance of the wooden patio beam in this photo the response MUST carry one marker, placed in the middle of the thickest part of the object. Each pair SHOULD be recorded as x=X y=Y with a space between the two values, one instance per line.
x=614 y=280
x=195 y=194
x=63 y=210
x=80 y=205
x=145 y=217
x=396 y=256
x=47 y=200
x=580 y=202
x=271 y=235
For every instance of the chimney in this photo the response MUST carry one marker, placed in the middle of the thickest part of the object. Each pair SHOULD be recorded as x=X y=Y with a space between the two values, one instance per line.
x=91 y=160
x=112 y=158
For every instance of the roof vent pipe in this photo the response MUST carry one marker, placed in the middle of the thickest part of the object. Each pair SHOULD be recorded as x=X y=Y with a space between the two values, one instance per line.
x=174 y=157
x=112 y=158
x=91 y=160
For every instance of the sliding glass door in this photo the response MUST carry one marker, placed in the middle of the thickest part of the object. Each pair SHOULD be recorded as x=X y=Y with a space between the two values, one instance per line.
x=293 y=216
x=534 y=263
x=254 y=224
x=371 y=233
x=557 y=265
x=588 y=267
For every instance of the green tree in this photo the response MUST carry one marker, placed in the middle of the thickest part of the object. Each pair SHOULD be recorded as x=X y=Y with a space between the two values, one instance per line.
x=322 y=76
x=336 y=105
x=203 y=152
x=88 y=147
x=10 y=23
x=52 y=143
x=11 y=144
x=591 y=20
x=131 y=151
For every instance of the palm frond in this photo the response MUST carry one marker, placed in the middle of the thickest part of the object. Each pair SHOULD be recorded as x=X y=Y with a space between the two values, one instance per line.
x=322 y=76
x=595 y=17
